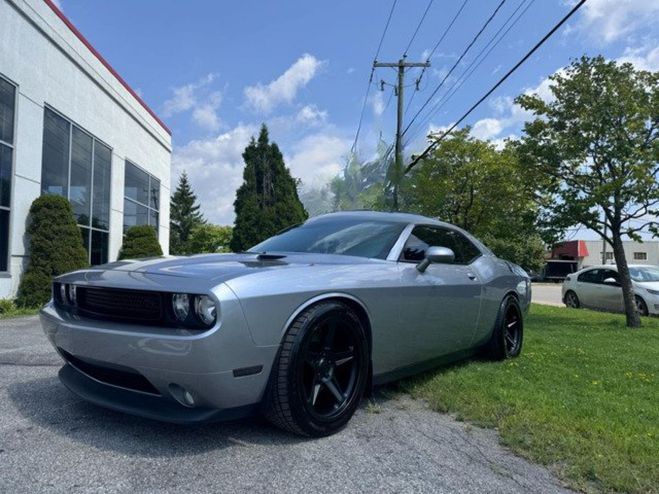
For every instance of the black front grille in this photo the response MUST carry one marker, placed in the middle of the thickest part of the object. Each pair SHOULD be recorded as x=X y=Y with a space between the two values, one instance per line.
x=111 y=303
x=116 y=375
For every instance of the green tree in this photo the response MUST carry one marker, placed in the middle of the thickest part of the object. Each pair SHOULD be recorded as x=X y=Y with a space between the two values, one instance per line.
x=208 y=238
x=140 y=241
x=184 y=215
x=595 y=146
x=55 y=247
x=267 y=201
x=468 y=182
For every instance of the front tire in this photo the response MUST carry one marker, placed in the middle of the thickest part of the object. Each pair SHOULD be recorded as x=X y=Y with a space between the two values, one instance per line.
x=641 y=306
x=508 y=334
x=321 y=372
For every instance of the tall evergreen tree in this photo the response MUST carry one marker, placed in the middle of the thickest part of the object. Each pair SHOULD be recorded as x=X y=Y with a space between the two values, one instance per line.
x=267 y=201
x=184 y=215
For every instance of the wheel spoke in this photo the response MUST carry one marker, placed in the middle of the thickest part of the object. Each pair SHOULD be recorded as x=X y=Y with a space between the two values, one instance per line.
x=341 y=358
x=511 y=341
x=333 y=387
x=314 y=392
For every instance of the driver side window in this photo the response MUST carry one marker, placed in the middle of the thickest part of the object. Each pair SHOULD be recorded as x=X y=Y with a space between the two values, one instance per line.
x=423 y=237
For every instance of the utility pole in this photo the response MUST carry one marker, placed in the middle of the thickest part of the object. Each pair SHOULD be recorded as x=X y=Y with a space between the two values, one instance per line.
x=401 y=65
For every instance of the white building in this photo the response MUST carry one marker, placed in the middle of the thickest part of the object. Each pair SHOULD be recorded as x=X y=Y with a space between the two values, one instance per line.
x=70 y=125
x=590 y=252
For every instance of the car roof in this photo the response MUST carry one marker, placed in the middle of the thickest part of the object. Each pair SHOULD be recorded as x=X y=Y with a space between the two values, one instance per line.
x=615 y=267
x=383 y=216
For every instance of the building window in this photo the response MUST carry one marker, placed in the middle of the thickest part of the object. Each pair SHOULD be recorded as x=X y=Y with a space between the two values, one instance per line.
x=609 y=255
x=640 y=256
x=78 y=166
x=7 y=114
x=141 y=198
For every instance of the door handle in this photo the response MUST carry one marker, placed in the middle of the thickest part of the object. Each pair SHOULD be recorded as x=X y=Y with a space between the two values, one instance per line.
x=471 y=276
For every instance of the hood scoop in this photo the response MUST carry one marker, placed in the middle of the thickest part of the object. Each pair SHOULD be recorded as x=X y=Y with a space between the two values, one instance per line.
x=269 y=257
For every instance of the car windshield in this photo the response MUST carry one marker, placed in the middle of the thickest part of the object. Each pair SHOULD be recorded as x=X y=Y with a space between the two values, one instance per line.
x=347 y=236
x=650 y=273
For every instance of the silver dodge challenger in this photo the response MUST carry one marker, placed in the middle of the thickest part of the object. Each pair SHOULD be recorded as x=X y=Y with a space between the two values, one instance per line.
x=297 y=328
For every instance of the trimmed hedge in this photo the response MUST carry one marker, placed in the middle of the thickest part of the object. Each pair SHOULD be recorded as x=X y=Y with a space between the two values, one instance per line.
x=140 y=241
x=55 y=247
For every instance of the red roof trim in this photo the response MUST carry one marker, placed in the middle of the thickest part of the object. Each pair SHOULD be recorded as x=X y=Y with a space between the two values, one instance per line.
x=105 y=63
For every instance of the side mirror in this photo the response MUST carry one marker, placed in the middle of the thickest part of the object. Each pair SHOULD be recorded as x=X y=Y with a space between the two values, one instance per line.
x=611 y=281
x=442 y=255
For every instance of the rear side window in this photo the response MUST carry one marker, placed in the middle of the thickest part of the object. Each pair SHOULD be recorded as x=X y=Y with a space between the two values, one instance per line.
x=592 y=276
x=423 y=237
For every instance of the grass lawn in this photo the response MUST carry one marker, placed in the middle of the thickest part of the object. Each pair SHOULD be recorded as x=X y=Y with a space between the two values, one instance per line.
x=16 y=312
x=582 y=398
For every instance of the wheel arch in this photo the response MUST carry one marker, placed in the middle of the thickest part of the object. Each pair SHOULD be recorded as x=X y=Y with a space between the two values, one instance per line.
x=350 y=300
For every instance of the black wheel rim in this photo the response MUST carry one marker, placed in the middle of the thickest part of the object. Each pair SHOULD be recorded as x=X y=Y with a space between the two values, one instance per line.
x=640 y=306
x=512 y=330
x=330 y=367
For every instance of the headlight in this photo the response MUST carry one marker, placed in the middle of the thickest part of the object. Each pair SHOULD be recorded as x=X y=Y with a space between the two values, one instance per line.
x=205 y=309
x=653 y=292
x=181 y=306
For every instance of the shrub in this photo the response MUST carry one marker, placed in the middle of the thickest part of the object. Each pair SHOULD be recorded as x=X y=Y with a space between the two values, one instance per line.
x=6 y=306
x=55 y=248
x=140 y=241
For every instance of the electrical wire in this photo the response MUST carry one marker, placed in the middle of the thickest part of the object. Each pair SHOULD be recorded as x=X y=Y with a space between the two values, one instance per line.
x=471 y=68
x=466 y=50
x=432 y=52
x=493 y=88
x=370 y=79
x=418 y=26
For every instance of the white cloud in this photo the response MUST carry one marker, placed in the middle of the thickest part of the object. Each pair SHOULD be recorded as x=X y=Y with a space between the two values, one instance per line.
x=318 y=158
x=487 y=128
x=377 y=103
x=610 y=20
x=311 y=115
x=643 y=58
x=215 y=168
x=264 y=98
x=205 y=115
x=185 y=97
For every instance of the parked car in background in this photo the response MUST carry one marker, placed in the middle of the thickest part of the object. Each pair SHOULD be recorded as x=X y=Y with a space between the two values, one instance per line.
x=298 y=327
x=598 y=287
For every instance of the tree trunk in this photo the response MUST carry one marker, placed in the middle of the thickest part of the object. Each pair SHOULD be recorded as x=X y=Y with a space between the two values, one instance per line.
x=633 y=317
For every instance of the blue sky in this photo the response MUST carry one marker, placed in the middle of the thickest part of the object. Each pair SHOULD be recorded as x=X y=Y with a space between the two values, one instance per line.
x=215 y=70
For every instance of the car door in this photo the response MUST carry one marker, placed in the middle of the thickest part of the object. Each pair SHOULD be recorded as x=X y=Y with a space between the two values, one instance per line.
x=587 y=287
x=610 y=294
x=440 y=307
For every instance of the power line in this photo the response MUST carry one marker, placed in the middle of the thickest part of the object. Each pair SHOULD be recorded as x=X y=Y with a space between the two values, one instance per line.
x=475 y=38
x=501 y=81
x=473 y=66
x=432 y=52
x=416 y=31
x=370 y=78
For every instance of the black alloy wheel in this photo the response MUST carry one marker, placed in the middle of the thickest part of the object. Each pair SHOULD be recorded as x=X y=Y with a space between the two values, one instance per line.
x=508 y=332
x=321 y=372
x=641 y=306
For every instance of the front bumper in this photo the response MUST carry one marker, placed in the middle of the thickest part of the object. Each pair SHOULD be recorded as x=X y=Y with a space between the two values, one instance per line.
x=222 y=370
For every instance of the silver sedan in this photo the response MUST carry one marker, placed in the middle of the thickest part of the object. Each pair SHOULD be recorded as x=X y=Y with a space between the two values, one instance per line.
x=298 y=328
x=598 y=287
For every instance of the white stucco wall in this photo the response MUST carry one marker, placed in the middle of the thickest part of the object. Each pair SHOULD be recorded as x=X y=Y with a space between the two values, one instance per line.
x=650 y=247
x=52 y=66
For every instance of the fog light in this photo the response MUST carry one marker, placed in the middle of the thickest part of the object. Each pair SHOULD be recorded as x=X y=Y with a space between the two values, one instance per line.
x=182 y=395
x=181 y=306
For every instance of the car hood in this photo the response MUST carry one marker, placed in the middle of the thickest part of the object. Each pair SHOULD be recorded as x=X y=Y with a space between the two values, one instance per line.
x=652 y=285
x=222 y=267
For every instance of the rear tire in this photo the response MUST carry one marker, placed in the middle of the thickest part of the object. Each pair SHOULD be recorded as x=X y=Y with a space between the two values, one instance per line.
x=320 y=374
x=571 y=300
x=508 y=333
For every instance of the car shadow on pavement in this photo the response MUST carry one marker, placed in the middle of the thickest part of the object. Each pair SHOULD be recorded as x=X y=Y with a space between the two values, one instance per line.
x=48 y=404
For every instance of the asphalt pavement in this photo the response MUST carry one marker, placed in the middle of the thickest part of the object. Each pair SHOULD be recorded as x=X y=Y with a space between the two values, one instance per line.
x=547 y=294
x=51 y=441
